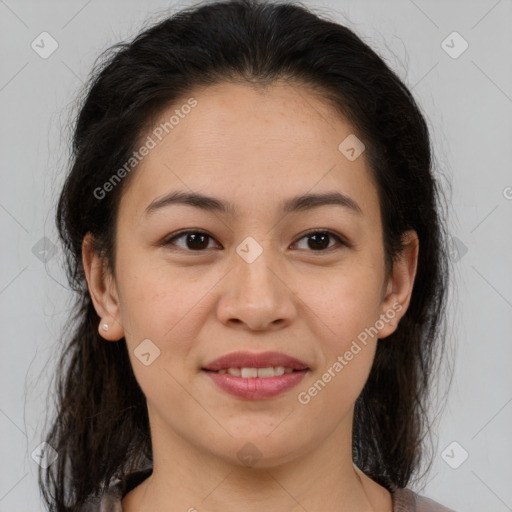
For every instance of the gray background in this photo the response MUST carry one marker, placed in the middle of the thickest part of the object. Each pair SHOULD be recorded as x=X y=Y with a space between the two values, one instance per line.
x=468 y=103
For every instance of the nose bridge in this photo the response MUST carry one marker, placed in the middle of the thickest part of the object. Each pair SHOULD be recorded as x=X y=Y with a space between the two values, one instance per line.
x=254 y=268
x=255 y=294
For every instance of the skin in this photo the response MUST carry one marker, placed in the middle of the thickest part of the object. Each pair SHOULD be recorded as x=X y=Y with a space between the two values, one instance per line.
x=255 y=148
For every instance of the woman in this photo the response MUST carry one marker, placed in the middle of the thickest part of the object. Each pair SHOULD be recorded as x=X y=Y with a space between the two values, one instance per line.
x=253 y=231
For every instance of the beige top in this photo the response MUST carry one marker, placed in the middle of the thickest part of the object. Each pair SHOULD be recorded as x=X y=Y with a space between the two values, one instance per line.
x=404 y=500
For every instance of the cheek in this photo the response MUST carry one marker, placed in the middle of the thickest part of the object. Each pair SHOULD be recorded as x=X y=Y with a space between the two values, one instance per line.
x=349 y=303
x=347 y=358
x=166 y=306
x=349 y=309
x=348 y=349
x=154 y=298
x=346 y=333
x=158 y=308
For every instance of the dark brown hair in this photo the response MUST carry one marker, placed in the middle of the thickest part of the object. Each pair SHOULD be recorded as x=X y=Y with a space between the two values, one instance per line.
x=101 y=428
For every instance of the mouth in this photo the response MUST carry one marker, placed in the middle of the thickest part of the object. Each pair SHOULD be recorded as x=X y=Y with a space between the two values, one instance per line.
x=250 y=361
x=256 y=373
x=253 y=376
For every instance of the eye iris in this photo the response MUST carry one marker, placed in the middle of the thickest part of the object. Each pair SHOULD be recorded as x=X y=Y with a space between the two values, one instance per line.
x=197 y=241
x=321 y=238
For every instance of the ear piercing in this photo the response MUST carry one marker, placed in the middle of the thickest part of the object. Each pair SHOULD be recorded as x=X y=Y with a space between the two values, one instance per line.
x=105 y=327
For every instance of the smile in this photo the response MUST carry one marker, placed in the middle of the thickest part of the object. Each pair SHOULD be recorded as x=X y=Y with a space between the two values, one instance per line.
x=246 y=383
x=252 y=373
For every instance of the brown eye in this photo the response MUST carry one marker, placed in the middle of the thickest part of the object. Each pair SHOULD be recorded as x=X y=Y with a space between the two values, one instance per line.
x=198 y=241
x=194 y=240
x=319 y=240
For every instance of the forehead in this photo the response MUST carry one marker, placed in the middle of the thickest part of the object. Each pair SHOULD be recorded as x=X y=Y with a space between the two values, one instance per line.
x=258 y=144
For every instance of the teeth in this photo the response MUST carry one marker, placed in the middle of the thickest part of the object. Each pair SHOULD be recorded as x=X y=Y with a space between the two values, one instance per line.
x=251 y=373
x=270 y=372
x=248 y=373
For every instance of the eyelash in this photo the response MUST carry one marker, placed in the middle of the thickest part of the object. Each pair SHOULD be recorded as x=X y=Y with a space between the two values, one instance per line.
x=169 y=241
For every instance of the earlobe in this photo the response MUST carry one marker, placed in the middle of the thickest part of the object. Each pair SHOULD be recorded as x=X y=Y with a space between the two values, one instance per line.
x=400 y=284
x=102 y=290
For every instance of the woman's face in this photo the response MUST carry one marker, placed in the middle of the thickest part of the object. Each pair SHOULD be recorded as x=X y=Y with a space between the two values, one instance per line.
x=249 y=277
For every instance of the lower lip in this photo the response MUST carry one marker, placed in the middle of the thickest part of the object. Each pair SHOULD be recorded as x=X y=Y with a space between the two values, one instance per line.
x=256 y=388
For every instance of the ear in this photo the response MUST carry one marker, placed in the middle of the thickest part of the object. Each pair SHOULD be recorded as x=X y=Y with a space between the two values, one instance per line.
x=400 y=284
x=103 y=291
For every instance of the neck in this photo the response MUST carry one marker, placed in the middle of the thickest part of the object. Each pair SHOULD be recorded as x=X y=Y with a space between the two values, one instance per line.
x=193 y=479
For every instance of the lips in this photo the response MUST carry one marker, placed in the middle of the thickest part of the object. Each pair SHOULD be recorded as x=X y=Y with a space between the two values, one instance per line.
x=255 y=360
x=251 y=376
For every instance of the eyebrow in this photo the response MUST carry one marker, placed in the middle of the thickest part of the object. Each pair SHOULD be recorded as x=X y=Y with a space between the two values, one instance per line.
x=295 y=204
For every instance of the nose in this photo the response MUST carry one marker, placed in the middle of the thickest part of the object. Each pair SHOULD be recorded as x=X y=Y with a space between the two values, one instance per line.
x=256 y=295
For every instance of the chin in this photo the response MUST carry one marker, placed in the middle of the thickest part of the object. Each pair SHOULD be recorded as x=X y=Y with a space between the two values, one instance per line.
x=260 y=450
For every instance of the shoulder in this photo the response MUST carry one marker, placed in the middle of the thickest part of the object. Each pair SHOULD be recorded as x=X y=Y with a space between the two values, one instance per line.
x=405 y=500
x=111 y=499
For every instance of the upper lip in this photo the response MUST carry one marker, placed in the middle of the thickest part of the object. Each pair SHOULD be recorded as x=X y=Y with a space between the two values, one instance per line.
x=254 y=360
